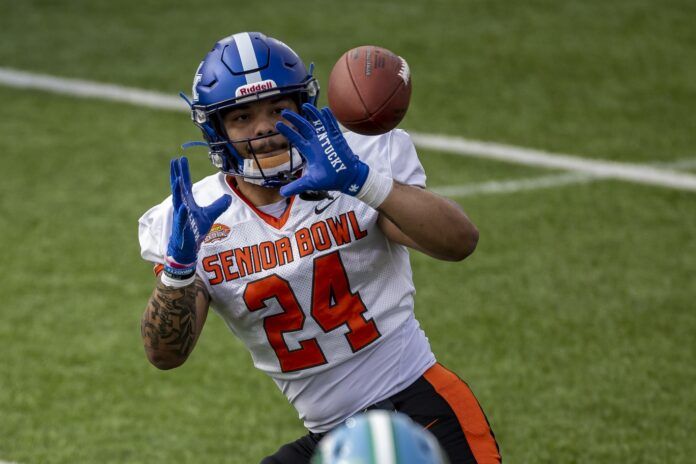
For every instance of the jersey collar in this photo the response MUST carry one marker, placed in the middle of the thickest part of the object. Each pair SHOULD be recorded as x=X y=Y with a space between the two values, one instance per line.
x=276 y=222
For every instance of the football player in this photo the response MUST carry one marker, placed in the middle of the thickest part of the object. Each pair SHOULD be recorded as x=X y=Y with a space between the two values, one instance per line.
x=300 y=243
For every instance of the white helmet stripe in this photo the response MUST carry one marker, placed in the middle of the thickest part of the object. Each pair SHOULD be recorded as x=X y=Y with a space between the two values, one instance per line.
x=248 y=57
x=382 y=437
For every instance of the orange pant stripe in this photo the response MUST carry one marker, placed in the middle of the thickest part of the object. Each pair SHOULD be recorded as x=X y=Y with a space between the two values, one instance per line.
x=468 y=411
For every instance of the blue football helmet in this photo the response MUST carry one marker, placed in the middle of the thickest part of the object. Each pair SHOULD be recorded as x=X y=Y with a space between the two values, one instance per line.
x=379 y=437
x=240 y=69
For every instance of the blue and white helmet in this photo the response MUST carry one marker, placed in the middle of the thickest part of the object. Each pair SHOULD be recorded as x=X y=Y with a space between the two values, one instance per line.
x=243 y=68
x=379 y=437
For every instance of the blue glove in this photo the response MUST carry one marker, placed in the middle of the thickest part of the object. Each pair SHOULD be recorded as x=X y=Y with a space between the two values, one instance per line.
x=331 y=164
x=191 y=222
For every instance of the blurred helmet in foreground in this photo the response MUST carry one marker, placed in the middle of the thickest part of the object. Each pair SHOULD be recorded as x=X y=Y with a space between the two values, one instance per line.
x=379 y=437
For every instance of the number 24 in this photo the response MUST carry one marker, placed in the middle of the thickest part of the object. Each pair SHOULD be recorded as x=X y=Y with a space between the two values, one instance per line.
x=333 y=305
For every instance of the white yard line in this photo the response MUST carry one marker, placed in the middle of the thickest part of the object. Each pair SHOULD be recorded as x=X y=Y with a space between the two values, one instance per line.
x=597 y=168
x=511 y=186
x=540 y=182
x=88 y=89
x=591 y=168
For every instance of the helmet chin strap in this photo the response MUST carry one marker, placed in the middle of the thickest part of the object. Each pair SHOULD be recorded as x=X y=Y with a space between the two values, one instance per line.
x=257 y=173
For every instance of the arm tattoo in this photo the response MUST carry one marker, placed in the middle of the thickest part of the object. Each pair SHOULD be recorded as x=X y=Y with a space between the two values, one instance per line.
x=169 y=321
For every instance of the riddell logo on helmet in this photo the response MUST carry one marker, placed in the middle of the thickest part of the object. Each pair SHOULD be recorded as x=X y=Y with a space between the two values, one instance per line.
x=256 y=87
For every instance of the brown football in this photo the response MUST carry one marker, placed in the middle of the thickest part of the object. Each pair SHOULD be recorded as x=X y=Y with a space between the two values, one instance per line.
x=369 y=90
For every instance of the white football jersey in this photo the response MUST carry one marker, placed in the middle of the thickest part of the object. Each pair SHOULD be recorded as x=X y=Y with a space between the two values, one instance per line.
x=320 y=297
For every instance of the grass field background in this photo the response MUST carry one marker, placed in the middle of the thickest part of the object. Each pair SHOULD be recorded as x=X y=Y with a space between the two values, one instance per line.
x=574 y=321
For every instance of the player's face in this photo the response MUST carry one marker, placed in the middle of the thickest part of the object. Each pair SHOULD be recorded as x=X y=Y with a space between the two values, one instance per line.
x=256 y=119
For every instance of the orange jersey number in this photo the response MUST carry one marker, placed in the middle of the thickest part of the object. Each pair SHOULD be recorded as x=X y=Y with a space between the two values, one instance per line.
x=333 y=305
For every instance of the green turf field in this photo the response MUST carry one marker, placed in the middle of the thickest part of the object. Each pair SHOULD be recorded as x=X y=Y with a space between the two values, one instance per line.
x=574 y=321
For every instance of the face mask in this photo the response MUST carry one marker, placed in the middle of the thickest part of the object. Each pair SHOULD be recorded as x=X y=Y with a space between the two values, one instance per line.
x=271 y=166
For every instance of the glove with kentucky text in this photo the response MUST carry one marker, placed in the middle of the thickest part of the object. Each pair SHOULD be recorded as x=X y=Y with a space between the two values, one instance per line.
x=190 y=225
x=331 y=164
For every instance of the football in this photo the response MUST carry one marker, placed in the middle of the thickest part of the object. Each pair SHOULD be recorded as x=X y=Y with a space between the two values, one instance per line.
x=369 y=90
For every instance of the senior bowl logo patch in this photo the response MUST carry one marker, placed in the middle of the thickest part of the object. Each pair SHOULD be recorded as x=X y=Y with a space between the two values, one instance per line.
x=218 y=232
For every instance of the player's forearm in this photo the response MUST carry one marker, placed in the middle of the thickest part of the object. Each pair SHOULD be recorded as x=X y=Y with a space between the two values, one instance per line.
x=170 y=324
x=437 y=225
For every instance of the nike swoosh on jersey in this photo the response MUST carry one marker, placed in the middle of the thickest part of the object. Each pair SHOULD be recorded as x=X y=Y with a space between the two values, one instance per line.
x=318 y=210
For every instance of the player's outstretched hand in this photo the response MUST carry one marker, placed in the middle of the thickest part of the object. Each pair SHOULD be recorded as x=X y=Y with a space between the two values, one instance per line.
x=331 y=164
x=191 y=222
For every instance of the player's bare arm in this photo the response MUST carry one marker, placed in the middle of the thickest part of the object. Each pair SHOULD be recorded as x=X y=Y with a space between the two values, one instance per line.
x=173 y=321
x=427 y=222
